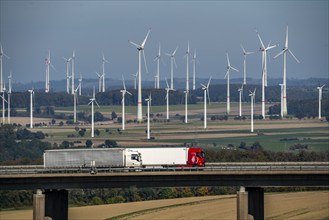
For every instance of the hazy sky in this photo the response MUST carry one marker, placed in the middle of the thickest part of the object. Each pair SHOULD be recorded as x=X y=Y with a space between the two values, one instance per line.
x=30 y=28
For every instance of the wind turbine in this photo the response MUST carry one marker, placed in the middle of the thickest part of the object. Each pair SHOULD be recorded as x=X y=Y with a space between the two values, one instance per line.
x=281 y=100
x=99 y=82
x=9 y=95
x=3 y=103
x=168 y=89
x=135 y=79
x=1 y=54
x=148 y=100
x=103 y=71
x=68 y=74
x=157 y=76
x=92 y=100
x=284 y=52
x=227 y=76
x=240 y=90
x=245 y=53
x=80 y=80
x=72 y=76
x=48 y=64
x=140 y=48
x=186 y=96
x=123 y=91
x=252 y=96
x=320 y=98
x=31 y=91
x=205 y=92
x=194 y=60
x=264 y=50
x=75 y=104
x=172 y=62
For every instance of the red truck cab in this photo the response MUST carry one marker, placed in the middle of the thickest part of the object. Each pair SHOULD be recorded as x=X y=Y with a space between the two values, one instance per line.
x=195 y=157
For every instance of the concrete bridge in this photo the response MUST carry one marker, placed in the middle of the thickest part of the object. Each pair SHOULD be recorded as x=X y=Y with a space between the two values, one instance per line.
x=250 y=198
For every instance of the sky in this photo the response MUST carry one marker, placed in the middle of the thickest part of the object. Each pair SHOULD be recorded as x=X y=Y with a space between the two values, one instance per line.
x=30 y=28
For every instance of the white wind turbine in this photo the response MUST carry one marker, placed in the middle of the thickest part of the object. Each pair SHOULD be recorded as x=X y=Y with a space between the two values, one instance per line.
x=245 y=53
x=320 y=98
x=99 y=82
x=31 y=91
x=9 y=95
x=1 y=54
x=72 y=76
x=67 y=74
x=206 y=93
x=48 y=64
x=123 y=91
x=281 y=100
x=284 y=52
x=140 y=49
x=172 y=62
x=148 y=100
x=80 y=80
x=92 y=100
x=186 y=96
x=240 y=90
x=103 y=71
x=157 y=76
x=227 y=76
x=3 y=103
x=75 y=104
x=264 y=50
x=168 y=89
x=252 y=96
x=194 y=60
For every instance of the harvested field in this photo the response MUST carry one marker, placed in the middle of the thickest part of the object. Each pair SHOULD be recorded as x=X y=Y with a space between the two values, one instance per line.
x=300 y=205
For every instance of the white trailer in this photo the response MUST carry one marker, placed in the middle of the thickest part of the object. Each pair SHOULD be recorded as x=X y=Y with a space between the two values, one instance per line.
x=94 y=157
x=163 y=156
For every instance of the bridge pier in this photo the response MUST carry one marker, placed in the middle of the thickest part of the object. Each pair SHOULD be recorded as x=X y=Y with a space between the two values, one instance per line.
x=242 y=204
x=256 y=202
x=56 y=204
x=38 y=205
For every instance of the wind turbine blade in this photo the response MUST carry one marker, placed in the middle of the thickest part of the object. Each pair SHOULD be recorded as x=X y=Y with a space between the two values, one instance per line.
x=228 y=60
x=209 y=82
x=167 y=83
x=286 y=43
x=244 y=51
x=270 y=47
x=96 y=103
x=52 y=66
x=175 y=62
x=260 y=39
x=279 y=54
x=123 y=82
x=234 y=69
x=173 y=54
x=293 y=56
x=227 y=72
x=99 y=76
x=136 y=45
x=203 y=86
x=128 y=93
x=147 y=35
x=145 y=61
x=208 y=96
x=168 y=54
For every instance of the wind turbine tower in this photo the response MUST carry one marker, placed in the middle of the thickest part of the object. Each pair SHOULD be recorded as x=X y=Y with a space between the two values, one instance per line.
x=252 y=96
x=135 y=79
x=187 y=64
x=157 y=76
x=92 y=100
x=320 y=99
x=284 y=52
x=99 y=82
x=227 y=76
x=31 y=91
x=264 y=50
x=281 y=99
x=123 y=91
x=80 y=80
x=140 y=49
x=240 y=90
x=172 y=62
x=67 y=74
x=245 y=53
x=194 y=60
x=168 y=89
x=75 y=104
x=1 y=79
x=103 y=71
x=48 y=64
x=3 y=103
x=148 y=100
x=9 y=95
x=206 y=93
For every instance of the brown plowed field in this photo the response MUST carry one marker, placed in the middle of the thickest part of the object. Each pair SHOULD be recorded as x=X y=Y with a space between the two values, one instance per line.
x=297 y=206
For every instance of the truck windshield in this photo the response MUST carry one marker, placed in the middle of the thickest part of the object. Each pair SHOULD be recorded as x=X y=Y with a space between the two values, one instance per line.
x=135 y=157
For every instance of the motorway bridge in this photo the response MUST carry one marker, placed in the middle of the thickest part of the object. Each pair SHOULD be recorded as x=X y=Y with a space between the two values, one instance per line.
x=250 y=177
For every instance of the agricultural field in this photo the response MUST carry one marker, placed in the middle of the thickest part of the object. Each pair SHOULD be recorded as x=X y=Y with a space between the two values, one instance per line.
x=274 y=135
x=277 y=206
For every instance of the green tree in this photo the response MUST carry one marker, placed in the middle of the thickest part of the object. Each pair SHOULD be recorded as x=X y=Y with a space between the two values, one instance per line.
x=89 y=143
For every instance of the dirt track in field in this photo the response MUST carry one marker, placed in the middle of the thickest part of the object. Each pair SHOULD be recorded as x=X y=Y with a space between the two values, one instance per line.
x=294 y=206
